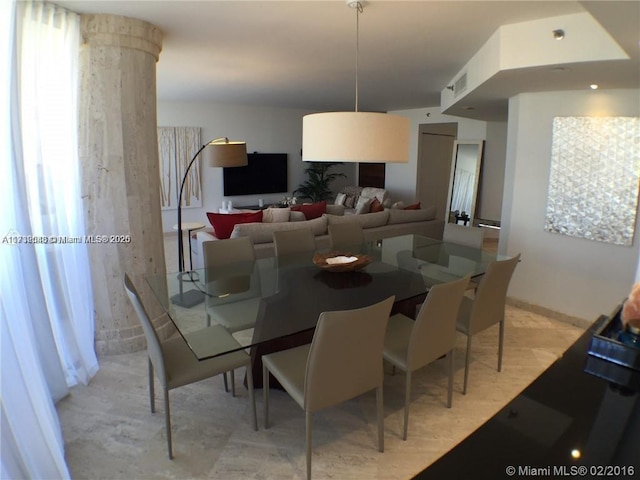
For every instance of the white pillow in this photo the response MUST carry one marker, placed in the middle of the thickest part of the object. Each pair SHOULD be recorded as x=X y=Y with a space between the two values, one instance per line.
x=340 y=198
x=363 y=205
x=276 y=215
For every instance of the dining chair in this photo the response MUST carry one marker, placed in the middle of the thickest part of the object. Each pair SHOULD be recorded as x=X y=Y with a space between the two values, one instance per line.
x=469 y=236
x=345 y=235
x=486 y=308
x=238 y=312
x=343 y=361
x=294 y=242
x=175 y=365
x=237 y=253
x=413 y=344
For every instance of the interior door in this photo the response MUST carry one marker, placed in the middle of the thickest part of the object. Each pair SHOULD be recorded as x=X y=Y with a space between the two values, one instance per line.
x=434 y=165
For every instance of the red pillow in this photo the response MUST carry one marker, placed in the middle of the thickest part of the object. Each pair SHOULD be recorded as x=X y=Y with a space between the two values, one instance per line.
x=223 y=223
x=375 y=206
x=311 y=210
x=415 y=206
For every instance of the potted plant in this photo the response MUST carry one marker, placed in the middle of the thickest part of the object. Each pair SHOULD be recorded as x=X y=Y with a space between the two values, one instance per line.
x=316 y=187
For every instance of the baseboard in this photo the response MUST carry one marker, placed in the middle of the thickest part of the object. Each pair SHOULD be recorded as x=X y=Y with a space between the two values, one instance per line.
x=547 y=312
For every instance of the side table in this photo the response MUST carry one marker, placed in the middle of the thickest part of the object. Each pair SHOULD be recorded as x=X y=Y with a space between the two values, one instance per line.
x=188 y=227
x=191 y=297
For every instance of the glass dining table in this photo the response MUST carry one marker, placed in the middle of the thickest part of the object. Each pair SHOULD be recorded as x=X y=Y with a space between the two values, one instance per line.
x=274 y=303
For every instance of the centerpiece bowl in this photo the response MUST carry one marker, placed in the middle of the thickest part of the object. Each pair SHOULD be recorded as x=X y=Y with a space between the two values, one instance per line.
x=341 y=262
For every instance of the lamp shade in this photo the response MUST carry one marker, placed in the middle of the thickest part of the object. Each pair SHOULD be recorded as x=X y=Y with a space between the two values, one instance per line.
x=355 y=137
x=223 y=153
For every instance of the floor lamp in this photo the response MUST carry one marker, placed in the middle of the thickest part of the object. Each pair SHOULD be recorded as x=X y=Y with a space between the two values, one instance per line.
x=221 y=153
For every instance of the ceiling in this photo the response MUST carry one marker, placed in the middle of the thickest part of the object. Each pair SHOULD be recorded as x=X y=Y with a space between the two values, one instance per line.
x=302 y=54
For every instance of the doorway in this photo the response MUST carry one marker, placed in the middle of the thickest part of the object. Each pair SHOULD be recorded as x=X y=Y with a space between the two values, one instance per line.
x=435 y=150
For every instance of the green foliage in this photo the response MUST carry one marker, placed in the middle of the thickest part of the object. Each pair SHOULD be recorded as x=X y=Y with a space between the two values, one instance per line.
x=316 y=188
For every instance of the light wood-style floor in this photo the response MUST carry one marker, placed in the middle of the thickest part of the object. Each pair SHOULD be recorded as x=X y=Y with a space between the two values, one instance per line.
x=110 y=433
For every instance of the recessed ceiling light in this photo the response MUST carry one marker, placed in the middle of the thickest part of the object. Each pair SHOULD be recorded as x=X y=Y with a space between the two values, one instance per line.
x=560 y=69
x=558 y=34
x=593 y=86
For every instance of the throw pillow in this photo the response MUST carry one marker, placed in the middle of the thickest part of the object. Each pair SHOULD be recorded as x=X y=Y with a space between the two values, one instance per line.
x=340 y=198
x=375 y=206
x=276 y=215
x=223 y=223
x=363 y=205
x=311 y=210
x=415 y=206
x=398 y=205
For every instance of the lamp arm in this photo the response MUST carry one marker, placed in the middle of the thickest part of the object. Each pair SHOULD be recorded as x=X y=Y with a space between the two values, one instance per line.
x=184 y=180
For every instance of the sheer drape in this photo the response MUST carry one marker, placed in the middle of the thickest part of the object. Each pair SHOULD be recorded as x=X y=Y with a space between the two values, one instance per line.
x=462 y=196
x=46 y=305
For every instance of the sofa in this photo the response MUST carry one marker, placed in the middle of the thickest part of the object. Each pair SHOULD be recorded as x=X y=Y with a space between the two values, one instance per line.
x=378 y=225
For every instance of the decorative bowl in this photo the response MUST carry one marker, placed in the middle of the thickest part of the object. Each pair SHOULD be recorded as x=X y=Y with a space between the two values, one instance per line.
x=341 y=262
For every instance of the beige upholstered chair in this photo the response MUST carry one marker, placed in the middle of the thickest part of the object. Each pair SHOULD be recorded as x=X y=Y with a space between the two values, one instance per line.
x=239 y=312
x=343 y=361
x=469 y=236
x=175 y=364
x=219 y=254
x=294 y=242
x=410 y=345
x=346 y=235
x=487 y=307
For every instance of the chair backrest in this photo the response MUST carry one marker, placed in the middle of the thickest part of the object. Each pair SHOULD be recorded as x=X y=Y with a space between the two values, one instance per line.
x=154 y=347
x=491 y=295
x=229 y=268
x=345 y=359
x=230 y=250
x=434 y=330
x=291 y=242
x=462 y=235
x=346 y=235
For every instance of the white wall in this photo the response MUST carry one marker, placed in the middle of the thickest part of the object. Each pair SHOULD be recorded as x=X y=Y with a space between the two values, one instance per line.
x=265 y=129
x=400 y=178
x=578 y=277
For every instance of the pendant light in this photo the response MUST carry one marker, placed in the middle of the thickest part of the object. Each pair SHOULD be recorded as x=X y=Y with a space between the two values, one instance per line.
x=356 y=136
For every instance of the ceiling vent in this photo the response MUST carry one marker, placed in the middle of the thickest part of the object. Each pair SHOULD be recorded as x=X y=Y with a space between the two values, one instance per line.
x=460 y=85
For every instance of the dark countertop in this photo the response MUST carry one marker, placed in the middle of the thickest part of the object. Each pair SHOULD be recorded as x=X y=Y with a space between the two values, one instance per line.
x=563 y=410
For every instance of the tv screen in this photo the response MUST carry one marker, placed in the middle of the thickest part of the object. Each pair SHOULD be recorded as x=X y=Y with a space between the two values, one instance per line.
x=264 y=173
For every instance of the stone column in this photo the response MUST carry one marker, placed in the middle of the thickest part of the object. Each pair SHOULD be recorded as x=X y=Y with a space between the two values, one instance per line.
x=120 y=172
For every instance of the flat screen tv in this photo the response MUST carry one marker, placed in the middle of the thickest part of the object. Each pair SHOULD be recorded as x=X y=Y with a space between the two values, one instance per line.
x=264 y=173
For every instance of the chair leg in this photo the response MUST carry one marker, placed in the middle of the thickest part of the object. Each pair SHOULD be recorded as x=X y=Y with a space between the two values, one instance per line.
x=450 y=391
x=380 y=414
x=167 y=422
x=152 y=392
x=407 y=400
x=500 y=346
x=233 y=383
x=265 y=393
x=466 y=365
x=308 y=424
x=252 y=397
x=226 y=386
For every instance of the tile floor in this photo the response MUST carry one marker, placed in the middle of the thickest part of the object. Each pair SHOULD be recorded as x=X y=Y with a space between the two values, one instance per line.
x=110 y=433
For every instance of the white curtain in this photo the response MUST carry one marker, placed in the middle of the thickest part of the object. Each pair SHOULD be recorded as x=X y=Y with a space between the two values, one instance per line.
x=462 y=196
x=46 y=304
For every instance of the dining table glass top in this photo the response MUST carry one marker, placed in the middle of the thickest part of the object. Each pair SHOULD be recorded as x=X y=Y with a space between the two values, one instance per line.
x=270 y=298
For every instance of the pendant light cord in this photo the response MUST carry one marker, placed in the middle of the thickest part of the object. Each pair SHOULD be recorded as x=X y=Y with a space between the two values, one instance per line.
x=358 y=12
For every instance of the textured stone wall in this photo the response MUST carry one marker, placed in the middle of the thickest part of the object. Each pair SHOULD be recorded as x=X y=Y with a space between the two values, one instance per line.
x=120 y=180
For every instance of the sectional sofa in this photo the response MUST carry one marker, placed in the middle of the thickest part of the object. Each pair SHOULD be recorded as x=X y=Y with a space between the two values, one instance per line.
x=378 y=225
